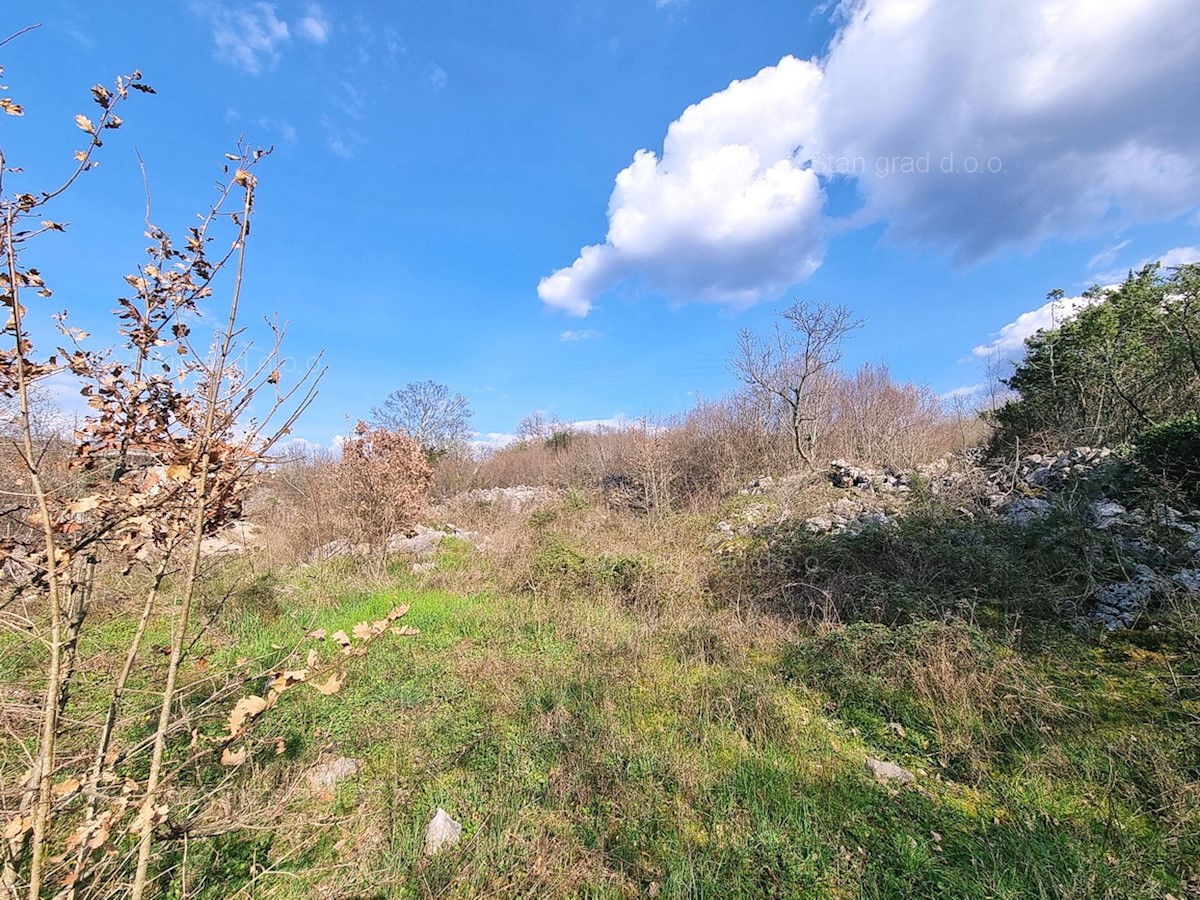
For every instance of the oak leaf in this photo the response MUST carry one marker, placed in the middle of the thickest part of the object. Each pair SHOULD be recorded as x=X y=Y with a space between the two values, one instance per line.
x=331 y=685
x=246 y=708
x=148 y=816
x=17 y=826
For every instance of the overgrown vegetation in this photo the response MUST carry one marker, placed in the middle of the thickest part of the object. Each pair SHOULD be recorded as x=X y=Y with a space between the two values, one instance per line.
x=617 y=692
x=1127 y=361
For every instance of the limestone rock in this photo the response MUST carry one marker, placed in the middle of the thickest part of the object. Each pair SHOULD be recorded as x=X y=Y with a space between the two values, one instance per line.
x=1187 y=580
x=326 y=776
x=1025 y=510
x=441 y=832
x=886 y=771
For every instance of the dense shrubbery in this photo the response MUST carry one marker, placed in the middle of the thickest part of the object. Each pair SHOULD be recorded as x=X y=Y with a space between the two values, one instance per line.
x=1126 y=362
x=1169 y=455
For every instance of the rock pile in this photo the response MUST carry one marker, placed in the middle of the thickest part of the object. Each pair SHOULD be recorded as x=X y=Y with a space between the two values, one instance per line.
x=1024 y=492
x=422 y=543
x=518 y=497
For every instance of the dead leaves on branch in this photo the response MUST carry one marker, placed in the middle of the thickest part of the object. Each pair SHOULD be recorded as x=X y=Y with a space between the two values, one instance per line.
x=326 y=679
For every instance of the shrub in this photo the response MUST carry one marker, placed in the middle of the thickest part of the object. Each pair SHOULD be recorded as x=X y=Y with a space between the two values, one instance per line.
x=385 y=478
x=1127 y=359
x=1169 y=453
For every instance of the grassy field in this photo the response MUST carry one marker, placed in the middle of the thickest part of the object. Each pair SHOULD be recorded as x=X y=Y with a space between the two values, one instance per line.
x=612 y=709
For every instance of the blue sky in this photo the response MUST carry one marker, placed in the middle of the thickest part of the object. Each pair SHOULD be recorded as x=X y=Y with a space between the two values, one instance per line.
x=568 y=206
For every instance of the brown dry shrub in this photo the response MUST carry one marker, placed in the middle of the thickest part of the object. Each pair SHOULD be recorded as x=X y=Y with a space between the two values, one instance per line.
x=880 y=421
x=383 y=482
x=297 y=502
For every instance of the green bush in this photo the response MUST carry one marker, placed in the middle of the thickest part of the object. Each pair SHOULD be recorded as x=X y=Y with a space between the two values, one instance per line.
x=1169 y=454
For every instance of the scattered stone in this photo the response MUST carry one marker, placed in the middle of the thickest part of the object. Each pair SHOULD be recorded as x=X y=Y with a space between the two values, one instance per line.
x=761 y=485
x=235 y=538
x=441 y=833
x=424 y=541
x=1025 y=510
x=1188 y=580
x=886 y=771
x=1108 y=513
x=1118 y=605
x=519 y=497
x=326 y=776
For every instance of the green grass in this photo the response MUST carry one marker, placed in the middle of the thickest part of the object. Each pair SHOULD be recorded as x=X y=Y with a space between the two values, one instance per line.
x=595 y=742
x=585 y=758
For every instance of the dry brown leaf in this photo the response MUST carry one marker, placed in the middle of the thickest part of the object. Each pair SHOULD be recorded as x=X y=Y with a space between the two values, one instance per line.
x=405 y=630
x=99 y=837
x=233 y=757
x=84 y=123
x=17 y=826
x=246 y=708
x=83 y=504
x=317 y=634
x=363 y=631
x=342 y=638
x=398 y=612
x=310 y=661
x=280 y=747
x=331 y=685
x=148 y=816
x=63 y=788
x=179 y=472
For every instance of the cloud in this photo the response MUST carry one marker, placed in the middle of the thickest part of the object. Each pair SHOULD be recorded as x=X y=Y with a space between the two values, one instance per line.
x=1066 y=110
x=1009 y=341
x=438 y=77
x=248 y=36
x=581 y=335
x=965 y=127
x=1107 y=255
x=342 y=140
x=1179 y=256
x=493 y=440
x=1176 y=256
x=315 y=25
x=965 y=392
x=727 y=214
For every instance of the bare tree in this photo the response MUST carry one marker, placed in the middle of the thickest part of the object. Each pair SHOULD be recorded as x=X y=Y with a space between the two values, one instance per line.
x=792 y=366
x=541 y=426
x=428 y=413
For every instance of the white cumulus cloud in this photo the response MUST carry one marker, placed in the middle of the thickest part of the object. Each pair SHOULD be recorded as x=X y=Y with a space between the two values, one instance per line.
x=1176 y=256
x=1009 y=341
x=1067 y=111
x=967 y=127
x=1180 y=256
x=726 y=214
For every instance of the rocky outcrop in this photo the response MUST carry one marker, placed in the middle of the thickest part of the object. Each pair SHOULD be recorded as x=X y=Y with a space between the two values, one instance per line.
x=518 y=497
x=1156 y=554
x=423 y=542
